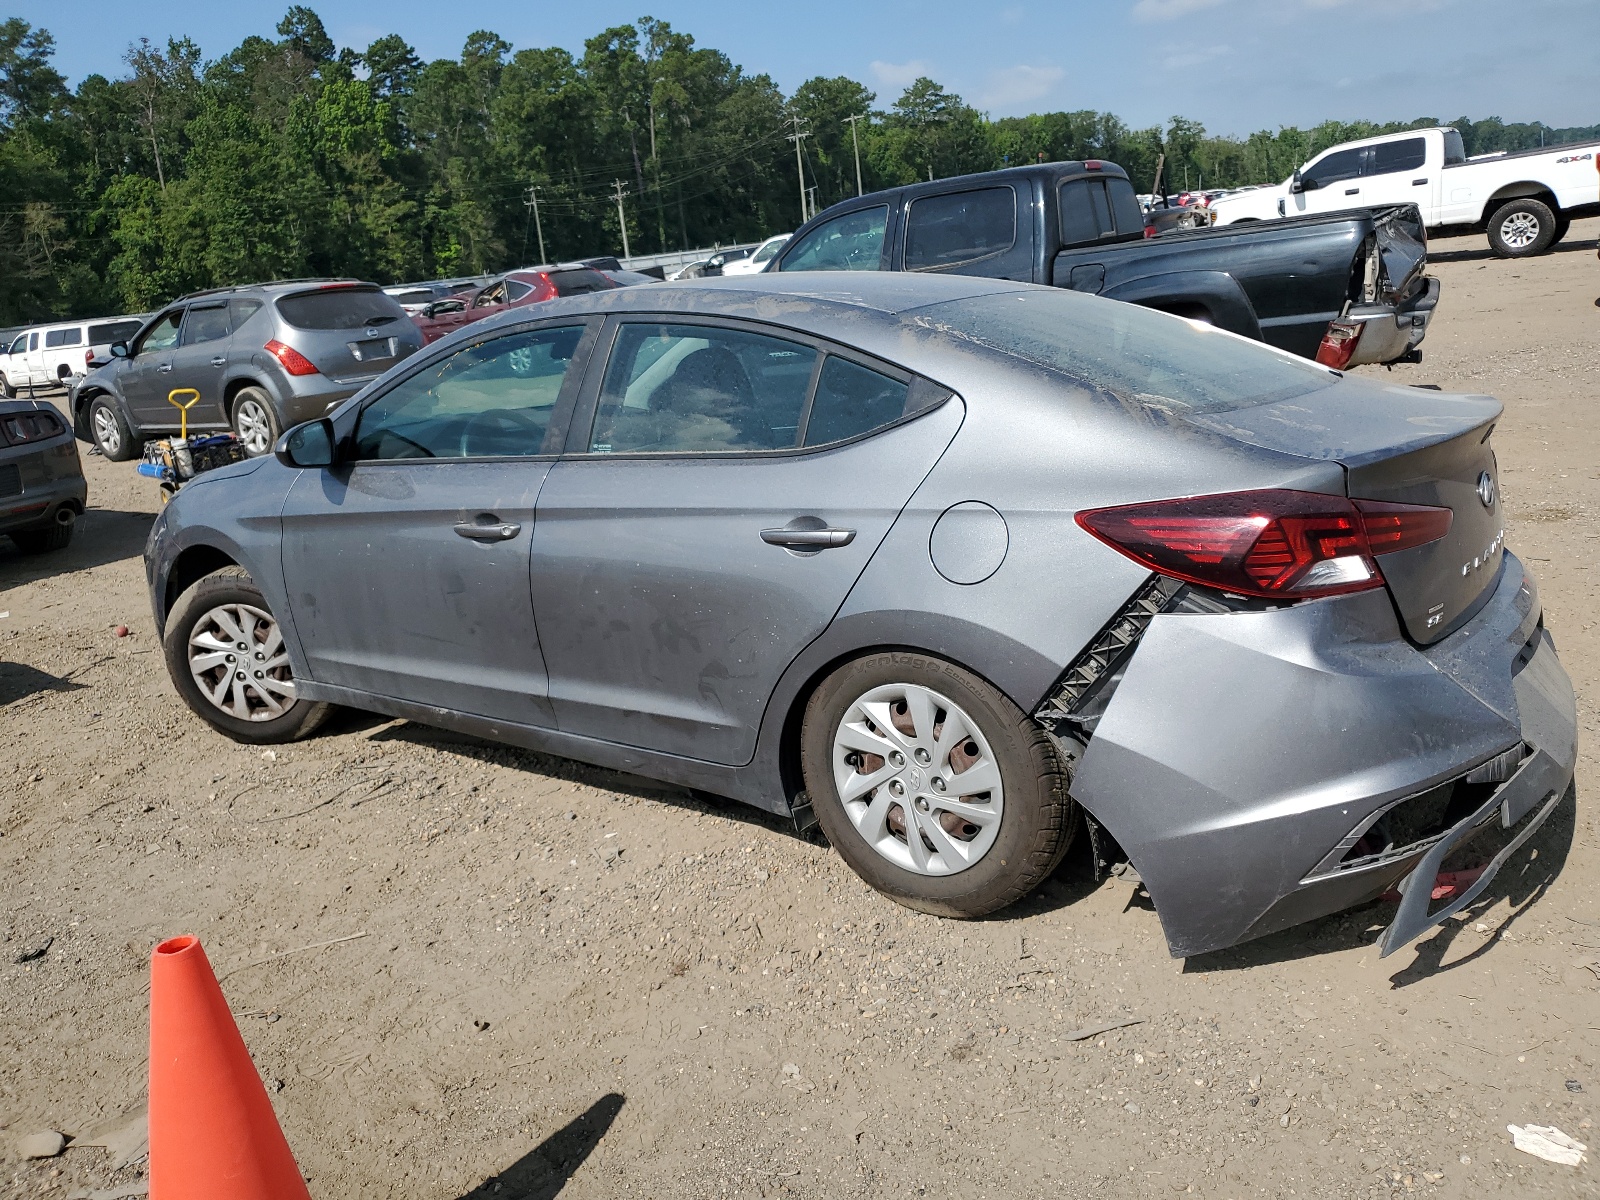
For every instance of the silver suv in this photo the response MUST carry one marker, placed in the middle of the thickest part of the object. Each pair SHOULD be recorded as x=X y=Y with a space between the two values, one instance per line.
x=262 y=358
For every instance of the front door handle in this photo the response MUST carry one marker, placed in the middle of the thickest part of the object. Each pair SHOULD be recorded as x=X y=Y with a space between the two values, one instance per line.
x=219 y=362
x=163 y=367
x=501 y=531
x=1352 y=191
x=808 y=539
x=1418 y=182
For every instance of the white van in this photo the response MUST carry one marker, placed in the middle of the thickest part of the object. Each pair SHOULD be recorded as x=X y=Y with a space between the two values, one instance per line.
x=51 y=355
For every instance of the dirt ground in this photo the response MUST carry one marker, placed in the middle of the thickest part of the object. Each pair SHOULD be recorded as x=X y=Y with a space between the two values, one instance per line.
x=556 y=979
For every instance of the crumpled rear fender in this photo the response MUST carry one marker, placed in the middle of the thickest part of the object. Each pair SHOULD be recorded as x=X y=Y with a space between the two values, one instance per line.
x=1239 y=748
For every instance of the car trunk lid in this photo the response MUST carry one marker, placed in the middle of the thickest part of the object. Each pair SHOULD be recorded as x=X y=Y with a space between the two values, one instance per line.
x=347 y=332
x=1408 y=446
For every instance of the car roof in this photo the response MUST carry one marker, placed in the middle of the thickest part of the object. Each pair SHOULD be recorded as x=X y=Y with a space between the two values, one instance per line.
x=889 y=292
x=276 y=287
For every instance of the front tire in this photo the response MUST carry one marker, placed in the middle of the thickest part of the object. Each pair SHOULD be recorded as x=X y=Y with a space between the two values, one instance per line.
x=110 y=431
x=933 y=786
x=7 y=391
x=226 y=657
x=1522 y=229
x=255 y=421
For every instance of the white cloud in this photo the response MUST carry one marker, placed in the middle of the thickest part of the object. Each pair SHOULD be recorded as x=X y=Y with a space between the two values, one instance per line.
x=900 y=75
x=1178 y=57
x=1020 y=84
x=1170 y=10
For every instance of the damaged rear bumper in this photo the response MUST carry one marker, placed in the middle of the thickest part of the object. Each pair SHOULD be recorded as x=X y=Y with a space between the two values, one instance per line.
x=1264 y=768
x=1390 y=332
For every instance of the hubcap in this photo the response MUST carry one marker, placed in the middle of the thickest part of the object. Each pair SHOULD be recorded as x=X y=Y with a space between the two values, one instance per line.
x=254 y=429
x=917 y=779
x=1519 y=230
x=236 y=656
x=105 y=430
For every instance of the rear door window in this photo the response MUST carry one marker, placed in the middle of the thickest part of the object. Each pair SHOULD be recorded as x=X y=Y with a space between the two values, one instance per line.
x=1390 y=158
x=961 y=227
x=207 y=324
x=852 y=242
x=701 y=389
x=491 y=399
x=852 y=400
x=54 y=339
x=339 y=308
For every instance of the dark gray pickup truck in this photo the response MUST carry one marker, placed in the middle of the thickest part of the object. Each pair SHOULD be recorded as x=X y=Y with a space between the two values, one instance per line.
x=1344 y=288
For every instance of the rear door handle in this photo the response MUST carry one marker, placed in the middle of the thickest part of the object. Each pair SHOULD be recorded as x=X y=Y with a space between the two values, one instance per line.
x=219 y=362
x=809 y=539
x=502 y=531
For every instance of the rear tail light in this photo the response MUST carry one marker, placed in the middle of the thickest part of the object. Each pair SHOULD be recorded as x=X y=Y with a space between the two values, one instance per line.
x=293 y=361
x=1150 y=231
x=1275 y=543
x=1339 y=344
x=88 y=358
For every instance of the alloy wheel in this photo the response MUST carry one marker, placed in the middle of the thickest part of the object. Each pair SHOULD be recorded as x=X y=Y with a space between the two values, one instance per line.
x=254 y=427
x=917 y=779
x=106 y=431
x=236 y=656
x=1519 y=230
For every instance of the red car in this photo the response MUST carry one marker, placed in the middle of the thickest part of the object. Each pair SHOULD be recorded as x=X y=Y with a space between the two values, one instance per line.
x=512 y=290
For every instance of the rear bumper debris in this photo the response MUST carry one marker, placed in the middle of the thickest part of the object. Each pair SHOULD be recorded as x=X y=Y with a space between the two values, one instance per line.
x=1263 y=768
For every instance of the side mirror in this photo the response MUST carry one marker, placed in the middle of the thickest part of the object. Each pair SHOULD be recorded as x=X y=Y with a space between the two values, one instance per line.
x=308 y=445
x=120 y=350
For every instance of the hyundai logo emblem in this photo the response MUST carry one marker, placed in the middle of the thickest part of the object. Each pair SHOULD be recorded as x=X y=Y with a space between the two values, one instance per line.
x=1486 y=489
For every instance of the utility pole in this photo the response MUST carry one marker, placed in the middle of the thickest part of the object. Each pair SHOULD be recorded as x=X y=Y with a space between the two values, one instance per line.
x=532 y=202
x=622 y=219
x=812 y=192
x=856 y=142
x=800 y=164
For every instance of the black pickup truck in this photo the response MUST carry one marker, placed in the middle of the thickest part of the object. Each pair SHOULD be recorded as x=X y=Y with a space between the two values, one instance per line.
x=1345 y=288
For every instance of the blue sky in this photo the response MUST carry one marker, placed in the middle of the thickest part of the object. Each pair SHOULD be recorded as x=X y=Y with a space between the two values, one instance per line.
x=1235 y=65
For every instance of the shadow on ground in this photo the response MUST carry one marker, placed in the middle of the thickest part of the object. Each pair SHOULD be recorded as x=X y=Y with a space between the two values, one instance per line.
x=19 y=681
x=1522 y=881
x=542 y=1172
x=1482 y=253
x=103 y=535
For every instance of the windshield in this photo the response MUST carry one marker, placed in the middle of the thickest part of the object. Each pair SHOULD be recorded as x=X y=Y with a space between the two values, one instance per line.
x=339 y=308
x=1148 y=358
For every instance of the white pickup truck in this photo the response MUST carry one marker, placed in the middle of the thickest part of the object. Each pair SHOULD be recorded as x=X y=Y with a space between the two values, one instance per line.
x=1524 y=201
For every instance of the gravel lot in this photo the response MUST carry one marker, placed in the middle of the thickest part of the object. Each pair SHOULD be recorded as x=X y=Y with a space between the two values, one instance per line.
x=577 y=982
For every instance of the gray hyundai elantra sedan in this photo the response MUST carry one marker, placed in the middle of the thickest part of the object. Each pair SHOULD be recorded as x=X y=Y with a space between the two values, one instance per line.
x=952 y=567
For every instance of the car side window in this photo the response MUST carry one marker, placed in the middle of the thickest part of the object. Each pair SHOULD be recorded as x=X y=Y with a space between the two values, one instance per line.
x=516 y=289
x=491 y=399
x=701 y=389
x=240 y=311
x=54 y=339
x=853 y=242
x=163 y=335
x=33 y=341
x=1334 y=168
x=206 y=324
x=960 y=227
x=1391 y=158
x=852 y=400
x=492 y=295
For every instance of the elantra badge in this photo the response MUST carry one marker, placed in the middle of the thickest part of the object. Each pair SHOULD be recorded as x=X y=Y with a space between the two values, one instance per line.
x=1486 y=489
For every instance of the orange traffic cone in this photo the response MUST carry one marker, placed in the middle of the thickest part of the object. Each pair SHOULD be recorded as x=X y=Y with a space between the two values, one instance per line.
x=213 y=1135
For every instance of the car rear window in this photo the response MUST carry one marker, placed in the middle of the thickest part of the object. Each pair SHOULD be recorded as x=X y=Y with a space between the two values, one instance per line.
x=579 y=283
x=113 y=331
x=1142 y=357
x=339 y=308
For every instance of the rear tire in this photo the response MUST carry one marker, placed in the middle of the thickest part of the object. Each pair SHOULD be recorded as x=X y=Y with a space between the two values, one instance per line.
x=1521 y=229
x=255 y=421
x=42 y=541
x=110 y=431
x=1015 y=832
x=210 y=621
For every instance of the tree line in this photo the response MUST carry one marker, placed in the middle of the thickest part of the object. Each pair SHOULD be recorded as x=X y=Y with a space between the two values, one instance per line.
x=294 y=157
